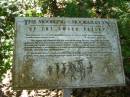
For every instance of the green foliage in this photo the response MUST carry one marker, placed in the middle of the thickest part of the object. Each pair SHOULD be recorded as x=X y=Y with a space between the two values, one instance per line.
x=8 y=12
x=118 y=9
x=77 y=9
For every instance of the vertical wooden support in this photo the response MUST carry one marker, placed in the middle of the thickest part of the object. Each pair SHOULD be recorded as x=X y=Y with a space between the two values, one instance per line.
x=67 y=92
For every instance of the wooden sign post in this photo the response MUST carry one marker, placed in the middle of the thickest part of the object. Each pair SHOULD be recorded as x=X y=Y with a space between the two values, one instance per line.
x=67 y=92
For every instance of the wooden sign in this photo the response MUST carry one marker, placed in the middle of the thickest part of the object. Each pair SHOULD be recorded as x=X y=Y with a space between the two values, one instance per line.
x=66 y=53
